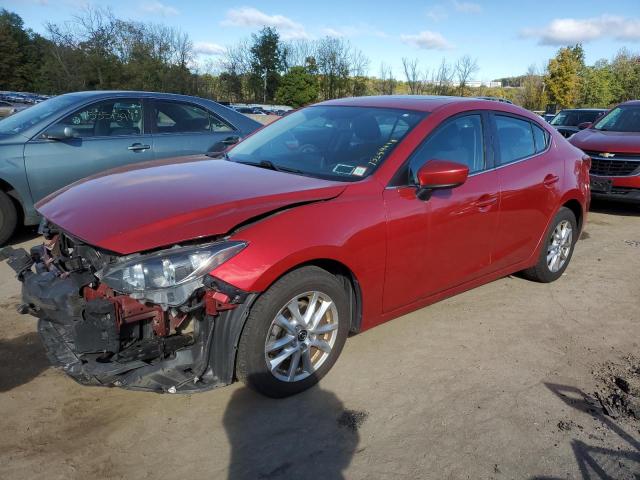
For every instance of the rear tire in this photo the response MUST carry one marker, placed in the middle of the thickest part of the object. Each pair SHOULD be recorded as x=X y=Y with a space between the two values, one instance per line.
x=294 y=333
x=8 y=218
x=557 y=248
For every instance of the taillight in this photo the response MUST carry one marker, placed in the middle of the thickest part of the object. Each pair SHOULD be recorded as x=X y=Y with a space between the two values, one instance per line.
x=586 y=159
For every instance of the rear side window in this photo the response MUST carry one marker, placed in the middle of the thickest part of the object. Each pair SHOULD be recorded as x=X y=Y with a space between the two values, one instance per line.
x=176 y=117
x=515 y=139
x=541 y=138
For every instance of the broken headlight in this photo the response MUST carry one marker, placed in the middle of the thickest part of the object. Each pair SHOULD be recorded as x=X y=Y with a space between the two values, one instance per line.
x=170 y=276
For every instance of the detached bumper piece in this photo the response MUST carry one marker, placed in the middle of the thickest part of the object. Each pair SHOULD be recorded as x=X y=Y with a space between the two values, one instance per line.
x=101 y=338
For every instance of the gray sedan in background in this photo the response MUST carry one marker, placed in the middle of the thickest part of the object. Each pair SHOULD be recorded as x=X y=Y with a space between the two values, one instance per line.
x=68 y=137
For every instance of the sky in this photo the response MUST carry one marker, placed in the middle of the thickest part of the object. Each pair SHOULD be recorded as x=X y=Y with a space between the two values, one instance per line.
x=504 y=36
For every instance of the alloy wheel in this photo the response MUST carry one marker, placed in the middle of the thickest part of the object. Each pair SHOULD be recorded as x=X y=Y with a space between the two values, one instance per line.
x=301 y=336
x=560 y=245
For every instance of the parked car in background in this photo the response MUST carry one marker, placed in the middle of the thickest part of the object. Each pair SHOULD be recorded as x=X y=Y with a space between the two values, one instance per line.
x=568 y=121
x=548 y=117
x=68 y=137
x=613 y=143
x=245 y=110
x=7 y=108
x=182 y=275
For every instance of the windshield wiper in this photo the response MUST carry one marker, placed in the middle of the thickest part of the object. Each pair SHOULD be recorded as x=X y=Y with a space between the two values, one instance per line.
x=272 y=166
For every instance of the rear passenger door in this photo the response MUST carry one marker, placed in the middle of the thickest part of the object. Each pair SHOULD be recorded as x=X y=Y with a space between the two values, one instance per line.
x=106 y=134
x=530 y=186
x=183 y=128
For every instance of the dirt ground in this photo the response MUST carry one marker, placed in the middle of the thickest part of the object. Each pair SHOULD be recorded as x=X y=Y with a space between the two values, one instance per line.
x=496 y=383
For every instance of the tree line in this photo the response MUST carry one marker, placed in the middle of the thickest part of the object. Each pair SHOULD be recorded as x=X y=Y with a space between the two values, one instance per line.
x=97 y=50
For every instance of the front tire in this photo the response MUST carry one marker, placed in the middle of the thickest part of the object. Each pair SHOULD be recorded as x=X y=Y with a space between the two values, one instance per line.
x=294 y=333
x=557 y=250
x=8 y=218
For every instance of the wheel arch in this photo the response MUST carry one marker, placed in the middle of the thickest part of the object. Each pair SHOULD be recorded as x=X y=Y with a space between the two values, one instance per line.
x=576 y=207
x=345 y=274
x=13 y=194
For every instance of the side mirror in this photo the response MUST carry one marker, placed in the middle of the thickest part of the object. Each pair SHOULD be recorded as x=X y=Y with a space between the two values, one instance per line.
x=59 y=132
x=439 y=175
x=583 y=125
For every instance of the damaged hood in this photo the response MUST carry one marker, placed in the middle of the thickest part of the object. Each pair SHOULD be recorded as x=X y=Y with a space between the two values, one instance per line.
x=156 y=204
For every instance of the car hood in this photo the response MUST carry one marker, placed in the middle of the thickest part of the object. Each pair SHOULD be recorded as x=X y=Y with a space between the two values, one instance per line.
x=599 y=141
x=155 y=204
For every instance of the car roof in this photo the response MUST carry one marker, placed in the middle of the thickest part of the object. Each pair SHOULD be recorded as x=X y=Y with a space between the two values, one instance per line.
x=583 y=110
x=121 y=93
x=423 y=103
x=631 y=102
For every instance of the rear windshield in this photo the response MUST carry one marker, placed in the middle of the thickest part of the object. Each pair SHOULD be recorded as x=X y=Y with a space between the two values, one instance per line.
x=29 y=117
x=625 y=118
x=330 y=142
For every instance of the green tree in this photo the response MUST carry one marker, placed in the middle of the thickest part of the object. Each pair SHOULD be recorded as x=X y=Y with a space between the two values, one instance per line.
x=597 y=85
x=22 y=52
x=625 y=69
x=267 y=61
x=297 y=88
x=564 y=75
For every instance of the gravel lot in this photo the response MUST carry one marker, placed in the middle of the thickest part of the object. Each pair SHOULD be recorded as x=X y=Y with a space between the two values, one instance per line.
x=495 y=383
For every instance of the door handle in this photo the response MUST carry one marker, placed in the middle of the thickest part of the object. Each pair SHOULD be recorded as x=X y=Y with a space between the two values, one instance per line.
x=550 y=180
x=136 y=147
x=485 y=201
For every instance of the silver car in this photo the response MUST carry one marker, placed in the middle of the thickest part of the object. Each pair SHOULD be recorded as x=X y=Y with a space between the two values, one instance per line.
x=68 y=137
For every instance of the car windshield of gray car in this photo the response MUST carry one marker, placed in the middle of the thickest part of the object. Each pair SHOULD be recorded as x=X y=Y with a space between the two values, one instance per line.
x=625 y=118
x=329 y=142
x=31 y=116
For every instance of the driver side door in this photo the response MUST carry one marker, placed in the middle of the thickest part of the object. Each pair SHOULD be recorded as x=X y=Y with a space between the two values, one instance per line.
x=448 y=240
x=107 y=134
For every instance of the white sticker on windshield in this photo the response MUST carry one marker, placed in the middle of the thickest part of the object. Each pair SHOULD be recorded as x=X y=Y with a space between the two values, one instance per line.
x=359 y=171
x=343 y=169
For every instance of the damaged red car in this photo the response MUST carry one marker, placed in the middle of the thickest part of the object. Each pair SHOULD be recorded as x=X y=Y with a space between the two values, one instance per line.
x=187 y=274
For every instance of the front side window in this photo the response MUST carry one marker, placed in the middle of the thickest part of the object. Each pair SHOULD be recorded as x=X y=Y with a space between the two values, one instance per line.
x=460 y=140
x=176 y=117
x=625 y=118
x=331 y=142
x=109 y=118
x=515 y=139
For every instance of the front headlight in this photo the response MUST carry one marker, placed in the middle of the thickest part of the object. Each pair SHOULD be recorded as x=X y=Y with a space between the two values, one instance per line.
x=168 y=277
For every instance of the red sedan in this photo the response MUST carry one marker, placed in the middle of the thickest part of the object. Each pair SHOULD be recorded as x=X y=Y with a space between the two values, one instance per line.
x=183 y=275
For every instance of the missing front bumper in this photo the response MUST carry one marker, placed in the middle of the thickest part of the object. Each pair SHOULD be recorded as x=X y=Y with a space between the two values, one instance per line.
x=81 y=338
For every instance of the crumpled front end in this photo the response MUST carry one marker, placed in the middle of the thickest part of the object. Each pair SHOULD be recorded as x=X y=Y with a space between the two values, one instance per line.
x=100 y=336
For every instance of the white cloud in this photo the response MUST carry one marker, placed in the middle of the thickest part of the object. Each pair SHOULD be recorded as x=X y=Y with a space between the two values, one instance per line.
x=252 y=17
x=208 y=48
x=466 y=7
x=563 y=31
x=437 y=13
x=427 y=40
x=159 y=8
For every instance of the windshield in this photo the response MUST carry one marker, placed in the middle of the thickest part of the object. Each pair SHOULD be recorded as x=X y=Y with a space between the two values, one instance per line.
x=330 y=142
x=625 y=118
x=573 y=118
x=29 y=117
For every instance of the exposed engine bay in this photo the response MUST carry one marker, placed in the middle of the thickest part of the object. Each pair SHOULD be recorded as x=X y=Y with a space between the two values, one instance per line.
x=154 y=331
